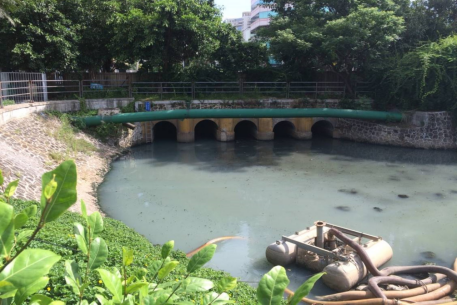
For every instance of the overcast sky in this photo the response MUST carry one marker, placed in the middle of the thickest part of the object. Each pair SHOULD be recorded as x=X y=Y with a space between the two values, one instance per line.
x=234 y=8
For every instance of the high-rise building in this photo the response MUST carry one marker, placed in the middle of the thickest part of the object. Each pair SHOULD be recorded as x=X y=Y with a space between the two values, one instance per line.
x=250 y=22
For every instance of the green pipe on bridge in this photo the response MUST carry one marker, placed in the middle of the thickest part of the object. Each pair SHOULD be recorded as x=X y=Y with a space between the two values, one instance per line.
x=242 y=113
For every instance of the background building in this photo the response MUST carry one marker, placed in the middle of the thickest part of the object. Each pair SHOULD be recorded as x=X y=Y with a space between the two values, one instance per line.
x=250 y=22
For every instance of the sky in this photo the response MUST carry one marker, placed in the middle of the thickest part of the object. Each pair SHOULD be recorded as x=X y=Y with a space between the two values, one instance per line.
x=234 y=8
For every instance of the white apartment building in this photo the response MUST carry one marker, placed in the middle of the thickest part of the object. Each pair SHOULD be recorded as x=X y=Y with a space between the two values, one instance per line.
x=259 y=16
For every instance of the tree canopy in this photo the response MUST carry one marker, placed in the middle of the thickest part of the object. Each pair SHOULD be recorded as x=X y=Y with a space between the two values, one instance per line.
x=344 y=37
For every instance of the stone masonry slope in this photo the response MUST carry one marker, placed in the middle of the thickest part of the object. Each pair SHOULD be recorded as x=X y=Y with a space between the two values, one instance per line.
x=30 y=147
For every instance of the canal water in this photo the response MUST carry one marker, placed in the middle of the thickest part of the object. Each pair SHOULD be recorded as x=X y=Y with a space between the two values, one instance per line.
x=195 y=192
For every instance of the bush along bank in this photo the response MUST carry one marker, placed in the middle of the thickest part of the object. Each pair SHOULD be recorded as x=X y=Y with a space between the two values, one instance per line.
x=50 y=256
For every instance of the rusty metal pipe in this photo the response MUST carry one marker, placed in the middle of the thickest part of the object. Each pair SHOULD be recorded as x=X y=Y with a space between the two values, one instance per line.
x=319 y=242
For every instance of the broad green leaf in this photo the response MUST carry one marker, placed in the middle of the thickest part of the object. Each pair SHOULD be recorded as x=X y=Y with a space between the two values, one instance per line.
x=95 y=221
x=129 y=300
x=6 y=287
x=20 y=220
x=216 y=298
x=80 y=236
x=195 y=284
x=8 y=295
x=226 y=284
x=1 y=178
x=167 y=269
x=50 y=188
x=98 y=253
x=113 y=283
x=24 y=234
x=57 y=303
x=167 y=248
x=39 y=299
x=29 y=266
x=83 y=209
x=81 y=243
x=201 y=258
x=25 y=291
x=305 y=288
x=30 y=211
x=72 y=277
x=65 y=195
x=84 y=302
x=136 y=287
x=6 y=229
x=160 y=297
x=127 y=256
x=11 y=188
x=103 y=300
x=154 y=267
x=272 y=286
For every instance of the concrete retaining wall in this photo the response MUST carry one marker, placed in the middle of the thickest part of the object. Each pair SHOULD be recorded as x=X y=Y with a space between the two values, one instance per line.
x=24 y=110
x=424 y=130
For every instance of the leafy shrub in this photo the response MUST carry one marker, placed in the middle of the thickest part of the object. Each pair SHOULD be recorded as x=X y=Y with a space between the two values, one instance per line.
x=36 y=238
x=424 y=78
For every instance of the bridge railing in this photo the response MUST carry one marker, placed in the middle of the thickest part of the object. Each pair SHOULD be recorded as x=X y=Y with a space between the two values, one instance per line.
x=19 y=91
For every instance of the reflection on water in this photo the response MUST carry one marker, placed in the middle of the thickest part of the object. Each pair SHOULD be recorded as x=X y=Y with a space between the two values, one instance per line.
x=262 y=190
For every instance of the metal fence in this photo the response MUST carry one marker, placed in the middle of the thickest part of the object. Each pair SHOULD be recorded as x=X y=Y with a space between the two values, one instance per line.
x=19 y=87
x=33 y=90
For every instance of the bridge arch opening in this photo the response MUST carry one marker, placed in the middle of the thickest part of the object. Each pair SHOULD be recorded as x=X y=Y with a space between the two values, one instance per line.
x=284 y=129
x=205 y=129
x=323 y=129
x=245 y=130
x=164 y=131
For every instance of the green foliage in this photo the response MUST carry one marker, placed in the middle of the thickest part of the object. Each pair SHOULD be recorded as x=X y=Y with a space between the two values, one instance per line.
x=23 y=271
x=8 y=102
x=342 y=37
x=6 y=6
x=424 y=78
x=67 y=134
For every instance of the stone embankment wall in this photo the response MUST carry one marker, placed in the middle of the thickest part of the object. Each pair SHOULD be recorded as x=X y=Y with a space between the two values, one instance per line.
x=435 y=130
x=25 y=109
x=29 y=146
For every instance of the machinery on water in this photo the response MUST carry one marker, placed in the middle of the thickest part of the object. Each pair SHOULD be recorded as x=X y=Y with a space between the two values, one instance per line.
x=317 y=249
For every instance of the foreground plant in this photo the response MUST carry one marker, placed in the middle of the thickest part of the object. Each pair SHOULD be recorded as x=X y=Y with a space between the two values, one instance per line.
x=23 y=271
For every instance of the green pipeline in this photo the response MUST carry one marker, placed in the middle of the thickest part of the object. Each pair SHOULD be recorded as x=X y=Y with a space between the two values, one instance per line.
x=243 y=113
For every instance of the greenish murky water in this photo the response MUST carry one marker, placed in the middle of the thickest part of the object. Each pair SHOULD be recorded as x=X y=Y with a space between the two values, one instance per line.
x=262 y=190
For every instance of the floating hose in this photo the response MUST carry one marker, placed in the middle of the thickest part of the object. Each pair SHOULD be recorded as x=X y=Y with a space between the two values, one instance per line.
x=382 y=276
x=446 y=300
x=212 y=241
x=374 y=301
x=436 y=294
x=366 y=294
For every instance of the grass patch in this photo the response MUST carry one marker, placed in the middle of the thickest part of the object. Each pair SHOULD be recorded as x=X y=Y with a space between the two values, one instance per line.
x=58 y=237
x=67 y=134
x=8 y=102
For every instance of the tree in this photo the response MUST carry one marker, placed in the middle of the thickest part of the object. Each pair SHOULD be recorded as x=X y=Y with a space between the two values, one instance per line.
x=44 y=38
x=424 y=78
x=344 y=37
x=162 y=34
x=5 y=7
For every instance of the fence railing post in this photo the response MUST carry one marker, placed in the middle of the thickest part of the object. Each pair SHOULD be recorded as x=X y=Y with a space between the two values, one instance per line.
x=30 y=91
x=160 y=89
x=193 y=90
x=80 y=89
x=130 y=89
x=316 y=90
x=1 y=98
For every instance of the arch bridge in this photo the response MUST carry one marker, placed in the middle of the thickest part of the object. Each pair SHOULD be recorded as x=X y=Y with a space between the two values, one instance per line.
x=226 y=129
